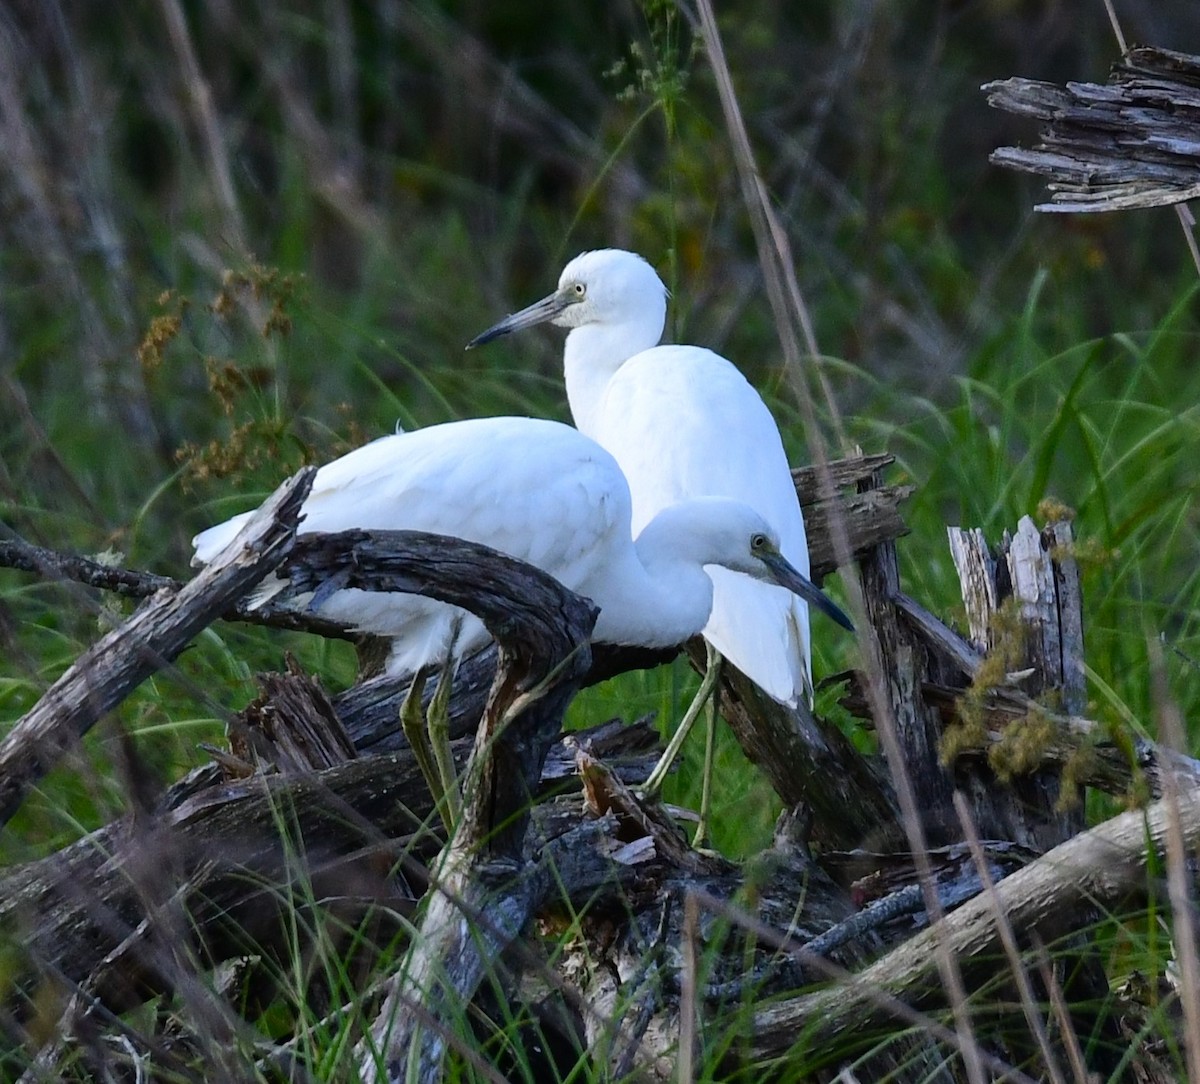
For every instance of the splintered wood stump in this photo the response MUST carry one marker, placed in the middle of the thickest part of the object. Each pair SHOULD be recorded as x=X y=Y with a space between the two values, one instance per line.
x=1025 y=613
x=1129 y=143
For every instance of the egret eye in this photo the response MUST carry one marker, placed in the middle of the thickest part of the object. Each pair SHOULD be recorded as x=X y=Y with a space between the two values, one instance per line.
x=579 y=288
x=759 y=542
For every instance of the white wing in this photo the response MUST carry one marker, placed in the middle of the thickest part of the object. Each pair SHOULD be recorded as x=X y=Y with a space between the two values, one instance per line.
x=536 y=490
x=683 y=422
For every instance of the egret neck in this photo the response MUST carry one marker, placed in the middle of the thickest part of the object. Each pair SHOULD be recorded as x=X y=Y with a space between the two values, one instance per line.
x=593 y=354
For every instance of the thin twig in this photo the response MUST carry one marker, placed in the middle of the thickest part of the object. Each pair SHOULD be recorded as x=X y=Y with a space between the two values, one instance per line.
x=1008 y=940
x=1183 y=907
x=689 y=981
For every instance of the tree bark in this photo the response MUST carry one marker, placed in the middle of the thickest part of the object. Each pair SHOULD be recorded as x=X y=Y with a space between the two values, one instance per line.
x=1042 y=641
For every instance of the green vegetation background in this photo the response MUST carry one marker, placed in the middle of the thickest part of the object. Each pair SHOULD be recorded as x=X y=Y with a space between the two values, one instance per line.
x=236 y=238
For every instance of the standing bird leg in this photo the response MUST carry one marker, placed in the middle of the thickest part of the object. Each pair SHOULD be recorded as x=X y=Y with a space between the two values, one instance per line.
x=438 y=718
x=712 y=674
x=412 y=722
x=713 y=666
x=428 y=734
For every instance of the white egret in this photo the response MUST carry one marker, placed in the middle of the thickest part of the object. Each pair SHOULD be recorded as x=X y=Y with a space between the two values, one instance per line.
x=682 y=422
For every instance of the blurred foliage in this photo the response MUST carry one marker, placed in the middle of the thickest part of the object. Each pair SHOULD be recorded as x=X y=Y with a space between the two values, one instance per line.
x=237 y=238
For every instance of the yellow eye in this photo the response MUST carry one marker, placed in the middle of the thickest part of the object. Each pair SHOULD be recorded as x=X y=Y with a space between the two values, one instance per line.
x=580 y=289
x=759 y=542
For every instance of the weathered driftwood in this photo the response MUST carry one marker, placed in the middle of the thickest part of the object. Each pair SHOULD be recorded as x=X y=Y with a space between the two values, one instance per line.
x=898 y=668
x=226 y=847
x=1133 y=142
x=158 y=630
x=53 y=565
x=869 y=517
x=633 y=976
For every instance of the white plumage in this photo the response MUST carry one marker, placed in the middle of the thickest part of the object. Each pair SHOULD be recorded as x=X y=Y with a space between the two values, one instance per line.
x=683 y=422
x=546 y=494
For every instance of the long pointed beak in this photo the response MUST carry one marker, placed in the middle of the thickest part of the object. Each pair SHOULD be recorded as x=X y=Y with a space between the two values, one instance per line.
x=787 y=576
x=537 y=313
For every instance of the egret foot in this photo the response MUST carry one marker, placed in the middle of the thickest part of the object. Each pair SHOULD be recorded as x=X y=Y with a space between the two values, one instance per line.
x=712 y=674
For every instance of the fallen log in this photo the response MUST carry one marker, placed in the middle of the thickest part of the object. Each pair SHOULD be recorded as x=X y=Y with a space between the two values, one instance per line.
x=1100 y=866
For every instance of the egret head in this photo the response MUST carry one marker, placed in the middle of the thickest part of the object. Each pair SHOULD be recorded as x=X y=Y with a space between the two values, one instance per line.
x=720 y=531
x=608 y=287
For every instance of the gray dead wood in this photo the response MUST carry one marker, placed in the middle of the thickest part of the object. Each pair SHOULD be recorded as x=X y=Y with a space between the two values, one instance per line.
x=869 y=516
x=496 y=875
x=1099 y=867
x=628 y=965
x=1093 y=754
x=55 y=566
x=157 y=631
x=227 y=855
x=903 y=670
x=518 y=602
x=1130 y=143
x=225 y=849
x=292 y=725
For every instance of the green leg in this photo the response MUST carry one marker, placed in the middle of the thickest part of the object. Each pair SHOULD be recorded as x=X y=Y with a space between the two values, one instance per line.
x=412 y=722
x=710 y=751
x=438 y=718
x=712 y=673
x=439 y=738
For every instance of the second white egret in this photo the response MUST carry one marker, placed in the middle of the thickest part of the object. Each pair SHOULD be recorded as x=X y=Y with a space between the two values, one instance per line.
x=682 y=422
